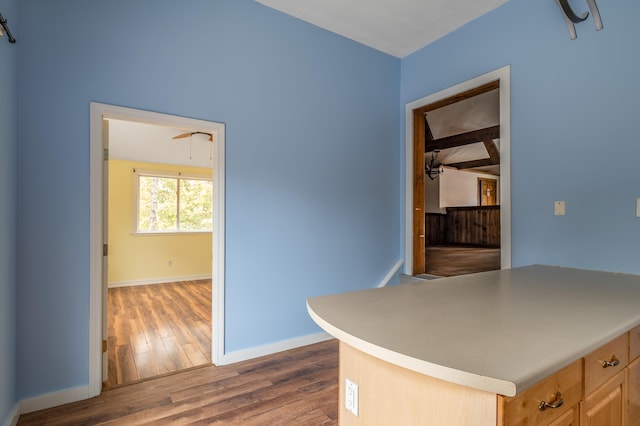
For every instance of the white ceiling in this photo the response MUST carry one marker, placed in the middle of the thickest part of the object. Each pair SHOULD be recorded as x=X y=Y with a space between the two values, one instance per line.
x=154 y=144
x=396 y=27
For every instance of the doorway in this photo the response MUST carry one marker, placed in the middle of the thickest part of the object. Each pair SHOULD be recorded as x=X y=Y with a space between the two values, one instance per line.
x=415 y=143
x=99 y=250
x=159 y=217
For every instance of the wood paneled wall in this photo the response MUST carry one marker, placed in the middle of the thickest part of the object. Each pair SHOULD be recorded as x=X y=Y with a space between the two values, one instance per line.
x=478 y=226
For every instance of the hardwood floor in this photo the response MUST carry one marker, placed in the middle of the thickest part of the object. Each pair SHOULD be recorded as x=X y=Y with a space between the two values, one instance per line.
x=447 y=261
x=157 y=329
x=295 y=387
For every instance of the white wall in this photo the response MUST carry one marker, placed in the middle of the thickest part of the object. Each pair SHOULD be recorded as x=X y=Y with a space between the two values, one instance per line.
x=454 y=188
x=432 y=196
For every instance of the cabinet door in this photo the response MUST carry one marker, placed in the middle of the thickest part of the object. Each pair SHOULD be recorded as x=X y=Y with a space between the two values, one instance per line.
x=606 y=406
x=570 y=418
x=634 y=393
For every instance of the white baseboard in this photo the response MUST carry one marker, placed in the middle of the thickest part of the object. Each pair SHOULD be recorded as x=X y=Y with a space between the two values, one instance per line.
x=80 y=393
x=12 y=420
x=54 y=399
x=164 y=280
x=273 y=348
x=385 y=281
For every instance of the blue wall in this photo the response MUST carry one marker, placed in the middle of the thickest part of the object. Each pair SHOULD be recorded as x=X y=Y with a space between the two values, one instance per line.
x=8 y=210
x=313 y=166
x=574 y=121
x=315 y=140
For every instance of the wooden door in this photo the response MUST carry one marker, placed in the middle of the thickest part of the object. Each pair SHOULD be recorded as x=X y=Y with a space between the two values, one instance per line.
x=419 y=226
x=487 y=192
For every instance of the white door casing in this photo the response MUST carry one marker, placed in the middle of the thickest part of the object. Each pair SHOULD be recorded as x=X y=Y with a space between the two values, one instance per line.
x=99 y=112
x=105 y=241
x=503 y=75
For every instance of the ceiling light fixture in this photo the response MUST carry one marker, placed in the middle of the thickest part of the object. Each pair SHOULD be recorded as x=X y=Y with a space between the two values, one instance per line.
x=433 y=169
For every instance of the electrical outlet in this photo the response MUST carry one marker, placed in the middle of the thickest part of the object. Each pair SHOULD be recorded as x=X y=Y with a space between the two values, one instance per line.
x=351 y=396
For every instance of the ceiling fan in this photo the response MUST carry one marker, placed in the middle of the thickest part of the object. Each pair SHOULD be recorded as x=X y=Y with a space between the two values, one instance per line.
x=189 y=134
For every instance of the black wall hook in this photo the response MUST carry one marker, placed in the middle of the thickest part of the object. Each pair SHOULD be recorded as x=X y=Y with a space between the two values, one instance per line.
x=569 y=13
x=572 y=18
x=3 y=22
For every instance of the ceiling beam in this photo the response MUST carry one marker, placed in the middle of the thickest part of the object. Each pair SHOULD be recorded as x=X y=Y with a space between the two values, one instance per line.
x=468 y=138
x=472 y=164
x=493 y=151
x=494 y=158
x=460 y=97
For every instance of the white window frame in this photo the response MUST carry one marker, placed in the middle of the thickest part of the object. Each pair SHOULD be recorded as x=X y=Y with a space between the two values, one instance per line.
x=137 y=173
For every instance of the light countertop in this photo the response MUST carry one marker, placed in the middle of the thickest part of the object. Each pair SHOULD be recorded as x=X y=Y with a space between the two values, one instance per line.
x=499 y=331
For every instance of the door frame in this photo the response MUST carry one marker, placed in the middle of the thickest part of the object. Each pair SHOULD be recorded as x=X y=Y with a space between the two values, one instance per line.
x=98 y=112
x=503 y=75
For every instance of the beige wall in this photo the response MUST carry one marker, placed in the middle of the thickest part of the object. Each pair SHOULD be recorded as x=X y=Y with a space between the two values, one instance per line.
x=139 y=259
x=454 y=188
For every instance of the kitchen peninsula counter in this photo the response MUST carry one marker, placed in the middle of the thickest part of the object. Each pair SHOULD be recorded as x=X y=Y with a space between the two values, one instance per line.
x=498 y=332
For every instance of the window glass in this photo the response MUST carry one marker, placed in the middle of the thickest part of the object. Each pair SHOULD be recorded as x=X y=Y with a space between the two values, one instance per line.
x=174 y=204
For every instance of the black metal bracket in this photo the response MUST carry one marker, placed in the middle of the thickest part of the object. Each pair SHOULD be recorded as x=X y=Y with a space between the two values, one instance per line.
x=3 y=22
x=572 y=18
x=569 y=13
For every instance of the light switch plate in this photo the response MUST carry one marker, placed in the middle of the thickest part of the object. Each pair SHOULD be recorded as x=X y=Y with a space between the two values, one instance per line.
x=559 y=208
x=638 y=207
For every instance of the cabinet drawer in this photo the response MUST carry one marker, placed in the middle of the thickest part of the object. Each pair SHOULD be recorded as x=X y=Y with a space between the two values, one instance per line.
x=524 y=408
x=634 y=343
x=603 y=363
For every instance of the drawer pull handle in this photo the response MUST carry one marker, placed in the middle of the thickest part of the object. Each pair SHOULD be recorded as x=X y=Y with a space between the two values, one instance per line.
x=556 y=403
x=614 y=362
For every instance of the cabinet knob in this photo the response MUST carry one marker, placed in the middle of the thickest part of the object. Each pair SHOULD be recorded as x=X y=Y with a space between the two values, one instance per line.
x=556 y=402
x=614 y=362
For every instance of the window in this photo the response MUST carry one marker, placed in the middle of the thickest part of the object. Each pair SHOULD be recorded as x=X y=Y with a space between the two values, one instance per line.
x=169 y=203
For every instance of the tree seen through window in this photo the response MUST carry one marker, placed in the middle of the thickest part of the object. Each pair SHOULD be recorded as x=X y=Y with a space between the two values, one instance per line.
x=170 y=204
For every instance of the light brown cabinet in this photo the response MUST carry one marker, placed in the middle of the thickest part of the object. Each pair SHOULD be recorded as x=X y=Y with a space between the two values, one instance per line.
x=599 y=389
x=554 y=400
x=605 y=362
x=633 y=378
x=570 y=418
x=605 y=377
x=606 y=406
x=609 y=390
x=593 y=390
x=634 y=343
x=633 y=386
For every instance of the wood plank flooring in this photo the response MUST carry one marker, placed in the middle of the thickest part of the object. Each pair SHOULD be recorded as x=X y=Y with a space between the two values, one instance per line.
x=447 y=261
x=295 y=387
x=157 y=329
